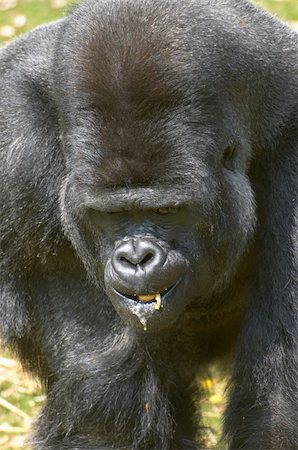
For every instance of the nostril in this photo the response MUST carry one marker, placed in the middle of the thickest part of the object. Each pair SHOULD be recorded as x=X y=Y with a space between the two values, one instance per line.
x=146 y=259
x=125 y=261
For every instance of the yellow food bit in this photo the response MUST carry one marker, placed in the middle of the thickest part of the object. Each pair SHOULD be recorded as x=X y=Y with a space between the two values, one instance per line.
x=150 y=298
x=158 y=302
x=147 y=298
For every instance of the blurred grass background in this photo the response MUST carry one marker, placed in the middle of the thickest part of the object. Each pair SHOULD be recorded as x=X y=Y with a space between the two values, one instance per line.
x=20 y=397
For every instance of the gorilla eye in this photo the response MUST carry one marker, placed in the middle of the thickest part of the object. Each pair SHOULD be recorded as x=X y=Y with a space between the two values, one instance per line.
x=166 y=210
x=228 y=158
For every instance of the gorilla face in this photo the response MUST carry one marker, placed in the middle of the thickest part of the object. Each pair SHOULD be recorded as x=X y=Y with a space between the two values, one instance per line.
x=157 y=248
x=157 y=202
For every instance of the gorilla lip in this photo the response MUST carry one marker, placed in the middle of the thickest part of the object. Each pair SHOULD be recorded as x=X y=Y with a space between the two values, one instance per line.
x=154 y=308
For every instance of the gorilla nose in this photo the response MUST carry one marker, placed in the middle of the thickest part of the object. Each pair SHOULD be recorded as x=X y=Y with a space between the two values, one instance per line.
x=138 y=255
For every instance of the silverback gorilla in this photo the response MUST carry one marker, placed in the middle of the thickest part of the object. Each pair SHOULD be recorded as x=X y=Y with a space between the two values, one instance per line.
x=149 y=221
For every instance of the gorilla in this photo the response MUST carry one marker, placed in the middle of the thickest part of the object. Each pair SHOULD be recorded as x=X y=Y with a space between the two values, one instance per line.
x=149 y=222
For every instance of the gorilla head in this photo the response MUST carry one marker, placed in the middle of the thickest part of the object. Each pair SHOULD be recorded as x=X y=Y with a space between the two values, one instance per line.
x=156 y=202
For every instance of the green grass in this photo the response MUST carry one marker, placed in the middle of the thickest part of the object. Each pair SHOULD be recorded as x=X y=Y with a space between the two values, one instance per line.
x=20 y=399
x=31 y=12
x=285 y=9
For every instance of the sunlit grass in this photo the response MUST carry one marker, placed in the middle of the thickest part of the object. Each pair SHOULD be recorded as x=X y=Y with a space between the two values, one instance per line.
x=285 y=9
x=19 y=16
x=20 y=399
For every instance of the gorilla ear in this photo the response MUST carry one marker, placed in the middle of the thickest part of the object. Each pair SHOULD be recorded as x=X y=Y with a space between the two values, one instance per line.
x=228 y=158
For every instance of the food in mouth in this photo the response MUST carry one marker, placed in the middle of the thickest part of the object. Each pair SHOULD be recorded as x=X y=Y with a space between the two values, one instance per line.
x=151 y=298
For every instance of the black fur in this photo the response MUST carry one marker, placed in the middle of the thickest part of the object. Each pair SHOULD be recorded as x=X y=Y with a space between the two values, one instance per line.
x=133 y=106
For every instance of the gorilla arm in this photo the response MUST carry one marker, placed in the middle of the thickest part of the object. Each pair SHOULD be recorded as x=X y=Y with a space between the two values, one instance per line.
x=264 y=383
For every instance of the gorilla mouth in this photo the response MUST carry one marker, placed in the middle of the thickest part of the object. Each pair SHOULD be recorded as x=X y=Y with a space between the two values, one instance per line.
x=155 y=299
x=149 y=312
